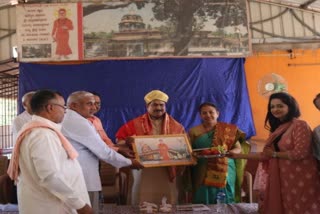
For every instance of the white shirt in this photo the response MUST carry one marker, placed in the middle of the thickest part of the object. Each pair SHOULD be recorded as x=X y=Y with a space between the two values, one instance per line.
x=49 y=182
x=87 y=141
x=18 y=122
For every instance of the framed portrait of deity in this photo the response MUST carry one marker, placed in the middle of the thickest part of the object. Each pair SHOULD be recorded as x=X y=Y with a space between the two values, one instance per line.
x=163 y=150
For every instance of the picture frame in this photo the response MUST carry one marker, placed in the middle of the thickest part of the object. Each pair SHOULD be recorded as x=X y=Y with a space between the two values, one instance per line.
x=163 y=150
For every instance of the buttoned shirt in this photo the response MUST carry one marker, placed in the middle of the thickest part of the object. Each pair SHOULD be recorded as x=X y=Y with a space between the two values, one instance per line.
x=86 y=140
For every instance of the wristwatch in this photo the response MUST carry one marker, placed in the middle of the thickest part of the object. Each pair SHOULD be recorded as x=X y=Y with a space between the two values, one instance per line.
x=274 y=155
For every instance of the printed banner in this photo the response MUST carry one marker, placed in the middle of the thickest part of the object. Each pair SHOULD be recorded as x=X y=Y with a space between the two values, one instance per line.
x=132 y=29
x=47 y=32
x=180 y=28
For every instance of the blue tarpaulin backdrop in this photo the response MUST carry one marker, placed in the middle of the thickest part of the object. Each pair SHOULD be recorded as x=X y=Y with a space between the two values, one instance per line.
x=123 y=85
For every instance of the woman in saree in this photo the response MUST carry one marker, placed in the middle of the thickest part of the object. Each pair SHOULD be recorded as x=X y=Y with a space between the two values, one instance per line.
x=287 y=176
x=209 y=176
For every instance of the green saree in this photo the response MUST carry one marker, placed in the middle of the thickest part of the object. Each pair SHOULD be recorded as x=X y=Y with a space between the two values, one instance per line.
x=206 y=194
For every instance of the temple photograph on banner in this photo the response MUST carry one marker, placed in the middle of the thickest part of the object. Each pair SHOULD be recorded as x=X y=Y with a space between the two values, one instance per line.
x=163 y=28
x=132 y=29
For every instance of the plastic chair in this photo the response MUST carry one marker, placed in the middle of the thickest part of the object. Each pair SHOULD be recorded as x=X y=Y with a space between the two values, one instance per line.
x=247 y=193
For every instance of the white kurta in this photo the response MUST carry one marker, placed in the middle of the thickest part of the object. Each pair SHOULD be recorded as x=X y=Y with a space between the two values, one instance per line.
x=18 y=122
x=49 y=182
x=87 y=141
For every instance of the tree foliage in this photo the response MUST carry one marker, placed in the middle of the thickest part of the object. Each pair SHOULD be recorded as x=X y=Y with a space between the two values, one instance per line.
x=187 y=16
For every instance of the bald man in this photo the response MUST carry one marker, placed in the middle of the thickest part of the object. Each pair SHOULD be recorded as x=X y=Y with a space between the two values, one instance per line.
x=24 y=117
x=86 y=140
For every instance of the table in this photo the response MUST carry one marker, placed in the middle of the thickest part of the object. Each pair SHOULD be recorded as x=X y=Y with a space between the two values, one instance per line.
x=239 y=208
x=236 y=208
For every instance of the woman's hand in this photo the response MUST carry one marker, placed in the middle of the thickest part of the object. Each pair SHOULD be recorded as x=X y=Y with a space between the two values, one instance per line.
x=230 y=154
x=268 y=151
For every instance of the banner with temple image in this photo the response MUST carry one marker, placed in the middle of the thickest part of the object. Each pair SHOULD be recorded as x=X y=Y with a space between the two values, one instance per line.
x=167 y=28
x=116 y=29
x=49 y=32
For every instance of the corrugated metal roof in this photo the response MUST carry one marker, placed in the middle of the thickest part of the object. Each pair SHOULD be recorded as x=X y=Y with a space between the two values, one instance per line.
x=290 y=24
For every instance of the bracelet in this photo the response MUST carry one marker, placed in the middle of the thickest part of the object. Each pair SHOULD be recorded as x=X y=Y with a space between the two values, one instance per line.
x=274 y=155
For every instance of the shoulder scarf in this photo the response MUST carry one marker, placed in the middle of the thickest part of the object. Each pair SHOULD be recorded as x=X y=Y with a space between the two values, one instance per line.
x=217 y=169
x=270 y=168
x=143 y=126
x=13 y=169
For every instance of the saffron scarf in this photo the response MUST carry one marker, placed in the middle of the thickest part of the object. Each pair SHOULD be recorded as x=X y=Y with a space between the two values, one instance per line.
x=217 y=168
x=13 y=169
x=143 y=126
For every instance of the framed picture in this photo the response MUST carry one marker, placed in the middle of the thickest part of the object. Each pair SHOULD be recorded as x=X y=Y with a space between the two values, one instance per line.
x=163 y=150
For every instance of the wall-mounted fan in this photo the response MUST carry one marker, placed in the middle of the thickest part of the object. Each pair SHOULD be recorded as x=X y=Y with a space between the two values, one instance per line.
x=272 y=83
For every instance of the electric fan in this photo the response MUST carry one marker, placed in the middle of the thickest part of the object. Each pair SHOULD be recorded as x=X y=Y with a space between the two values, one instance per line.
x=272 y=83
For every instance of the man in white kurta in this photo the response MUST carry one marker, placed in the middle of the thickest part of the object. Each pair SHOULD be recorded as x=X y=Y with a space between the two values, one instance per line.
x=49 y=177
x=49 y=182
x=87 y=141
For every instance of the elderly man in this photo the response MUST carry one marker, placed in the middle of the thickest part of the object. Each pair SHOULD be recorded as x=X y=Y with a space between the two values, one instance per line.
x=155 y=122
x=88 y=142
x=24 y=117
x=44 y=163
x=96 y=122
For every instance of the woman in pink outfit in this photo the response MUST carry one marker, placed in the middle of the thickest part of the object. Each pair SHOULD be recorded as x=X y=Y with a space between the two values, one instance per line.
x=289 y=170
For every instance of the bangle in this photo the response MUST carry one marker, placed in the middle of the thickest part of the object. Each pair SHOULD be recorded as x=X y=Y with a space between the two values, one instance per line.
x=274 y=155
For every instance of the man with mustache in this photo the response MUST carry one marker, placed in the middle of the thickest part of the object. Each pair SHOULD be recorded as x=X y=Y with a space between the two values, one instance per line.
x=86 y=140
x=44 y=163
x=156 y=121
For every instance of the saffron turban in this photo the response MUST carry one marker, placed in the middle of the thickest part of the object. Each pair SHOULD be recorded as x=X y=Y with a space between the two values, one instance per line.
x=156 y=95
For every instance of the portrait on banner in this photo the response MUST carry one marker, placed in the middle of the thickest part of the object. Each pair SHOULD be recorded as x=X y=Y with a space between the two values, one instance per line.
x=47 y=32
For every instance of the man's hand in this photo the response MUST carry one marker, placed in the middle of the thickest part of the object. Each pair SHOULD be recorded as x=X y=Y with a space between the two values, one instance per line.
x=129 y=141
x=136 y=164
x=85 y=210
x=125 y=151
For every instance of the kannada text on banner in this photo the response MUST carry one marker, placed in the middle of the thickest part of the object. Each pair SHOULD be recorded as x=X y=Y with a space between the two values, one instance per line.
x=47 y=32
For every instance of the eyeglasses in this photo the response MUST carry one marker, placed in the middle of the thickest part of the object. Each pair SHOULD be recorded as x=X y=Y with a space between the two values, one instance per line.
x=62 y=106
